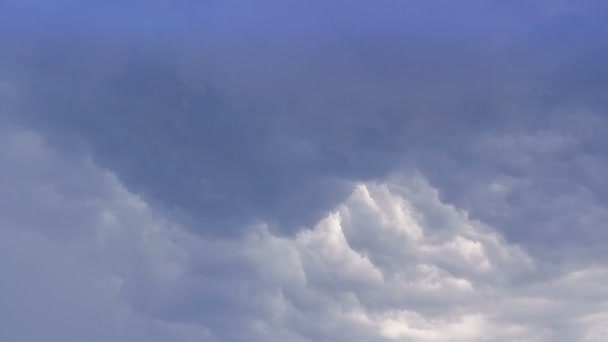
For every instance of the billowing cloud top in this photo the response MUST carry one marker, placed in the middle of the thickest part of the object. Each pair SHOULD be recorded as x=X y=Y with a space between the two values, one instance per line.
x=303 y=171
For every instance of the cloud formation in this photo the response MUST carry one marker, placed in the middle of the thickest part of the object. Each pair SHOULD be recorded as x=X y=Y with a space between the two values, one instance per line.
x=85 y=259
x=258 y=108
x=303 y=171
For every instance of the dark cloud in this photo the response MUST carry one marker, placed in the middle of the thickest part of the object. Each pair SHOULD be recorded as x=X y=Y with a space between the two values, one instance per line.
x=273 y=147
x=249 y=110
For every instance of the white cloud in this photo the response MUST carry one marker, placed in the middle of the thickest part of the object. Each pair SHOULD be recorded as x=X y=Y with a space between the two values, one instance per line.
x=82 y=258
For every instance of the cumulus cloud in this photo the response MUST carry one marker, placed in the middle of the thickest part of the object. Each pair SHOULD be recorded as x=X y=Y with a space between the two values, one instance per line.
x=85 y=259
x=539 y=186
x=302 y=171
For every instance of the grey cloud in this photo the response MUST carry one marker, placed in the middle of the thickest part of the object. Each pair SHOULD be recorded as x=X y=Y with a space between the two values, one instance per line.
x=303 y=171
x=378 y=268
x=60 y=270
x=539 y=187
x=262 y=111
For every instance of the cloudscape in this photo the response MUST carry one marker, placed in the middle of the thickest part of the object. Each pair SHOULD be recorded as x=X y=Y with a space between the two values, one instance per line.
x=269 y=170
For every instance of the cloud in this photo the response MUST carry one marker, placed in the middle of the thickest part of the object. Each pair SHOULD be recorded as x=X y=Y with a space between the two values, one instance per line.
x=61 y=271
x=302 y=171
x=539 y=187
x=85 y=259
x=258 y=108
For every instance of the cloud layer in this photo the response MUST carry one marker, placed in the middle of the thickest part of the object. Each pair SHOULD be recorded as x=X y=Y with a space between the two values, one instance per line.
x=85 y=259
x=260 y=109
x=303 y=171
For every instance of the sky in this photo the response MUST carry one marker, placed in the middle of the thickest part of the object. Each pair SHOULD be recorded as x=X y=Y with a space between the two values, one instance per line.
x=403 y=170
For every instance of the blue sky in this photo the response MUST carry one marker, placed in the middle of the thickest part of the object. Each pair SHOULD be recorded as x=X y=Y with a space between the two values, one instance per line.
x=303 y=171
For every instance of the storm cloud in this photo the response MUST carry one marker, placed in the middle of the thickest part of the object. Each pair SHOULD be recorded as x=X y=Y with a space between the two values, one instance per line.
x=303 y=171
